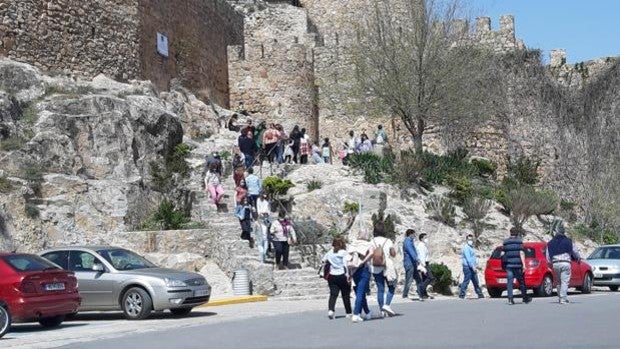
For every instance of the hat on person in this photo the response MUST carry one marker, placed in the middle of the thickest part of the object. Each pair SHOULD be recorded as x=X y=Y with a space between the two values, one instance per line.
x=559 y=229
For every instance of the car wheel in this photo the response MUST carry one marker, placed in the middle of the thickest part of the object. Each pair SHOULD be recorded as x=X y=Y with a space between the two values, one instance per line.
x=137 y=304
x=587 y=284
x=494 y=292
x=546 y=287
x=71 y=316
x=53 y=321
x=613 y=288
x=180 y=311
x=5 y=321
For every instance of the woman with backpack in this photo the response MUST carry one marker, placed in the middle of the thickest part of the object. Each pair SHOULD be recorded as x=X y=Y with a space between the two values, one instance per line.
x=213 y=186
x=381 y=267
x=360 y=253
x=338 y=277
x=283 y=236
x=243 y=211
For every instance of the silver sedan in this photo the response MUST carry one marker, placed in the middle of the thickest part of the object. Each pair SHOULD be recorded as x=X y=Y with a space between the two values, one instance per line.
x=112 y=278
x=605 y=262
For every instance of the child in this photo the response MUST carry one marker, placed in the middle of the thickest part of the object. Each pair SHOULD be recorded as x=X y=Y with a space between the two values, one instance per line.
x=326 y=151
x=288 y=152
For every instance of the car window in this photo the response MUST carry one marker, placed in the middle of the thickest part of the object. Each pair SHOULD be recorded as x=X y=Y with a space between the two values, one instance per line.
x=606 y=253
x=81 y=261
x=26 y=262
x=529 y=253
x=58 y=257
x=125 y=260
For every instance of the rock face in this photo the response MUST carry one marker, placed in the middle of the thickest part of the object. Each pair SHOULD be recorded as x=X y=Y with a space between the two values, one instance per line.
x=81 y=167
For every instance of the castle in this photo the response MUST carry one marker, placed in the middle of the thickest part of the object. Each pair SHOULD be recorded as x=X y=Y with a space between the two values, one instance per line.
x=275 y=56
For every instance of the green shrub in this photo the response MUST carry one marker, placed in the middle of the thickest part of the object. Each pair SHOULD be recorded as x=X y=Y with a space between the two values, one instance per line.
x=443 y=278
x=389 y=223
x=461 y=188
x=11 y=143
x=375 y=167
x=610 y=237
x=314 y=185
x=176 y=161
x=225 y=155
x=407 y=170
x=595 y=233
x=485 y=167
x=351 y=207
x=276 y=186
x=523 y=170
x=526 y=201
x=165 y=217
x=31 y=210
x=438 y=168
x=441 y=209
x=5 y=185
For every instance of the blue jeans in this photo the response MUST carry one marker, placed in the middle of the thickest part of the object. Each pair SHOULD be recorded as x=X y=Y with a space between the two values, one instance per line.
x=381 y=281
x=469 y=274
x=249 y=159
x=511 y=274
x=362 y=279
x=411 y=274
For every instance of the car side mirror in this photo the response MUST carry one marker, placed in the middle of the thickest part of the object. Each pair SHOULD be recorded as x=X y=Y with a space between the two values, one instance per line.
x=98 y=267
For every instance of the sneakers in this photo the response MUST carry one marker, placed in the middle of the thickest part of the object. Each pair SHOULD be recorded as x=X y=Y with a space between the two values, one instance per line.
x=388 y=310
x=511 y=302
x=564 y=301
x=348 y=316
x=330 y=315
x=480 y=296
x=356 y=319
x=527 y=300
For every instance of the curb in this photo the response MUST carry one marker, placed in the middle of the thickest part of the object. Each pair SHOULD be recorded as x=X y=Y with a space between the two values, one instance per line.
x=235 y=300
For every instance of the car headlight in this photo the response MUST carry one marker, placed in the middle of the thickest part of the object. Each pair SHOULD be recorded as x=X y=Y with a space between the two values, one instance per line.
x=174 y=283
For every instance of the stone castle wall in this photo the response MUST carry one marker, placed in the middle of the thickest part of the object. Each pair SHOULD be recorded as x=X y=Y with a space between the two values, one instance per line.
x=118 y=38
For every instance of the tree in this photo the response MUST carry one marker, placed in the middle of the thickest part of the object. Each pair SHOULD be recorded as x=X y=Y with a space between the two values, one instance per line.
x=476 y=209
x=414 y=58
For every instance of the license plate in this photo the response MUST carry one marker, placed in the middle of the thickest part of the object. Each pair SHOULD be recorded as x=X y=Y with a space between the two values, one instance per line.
x=200 y=293
x=501 y=281
x=55 y=287
x=598 y=275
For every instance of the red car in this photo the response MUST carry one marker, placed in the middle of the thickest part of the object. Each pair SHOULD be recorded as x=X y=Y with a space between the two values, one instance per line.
x=539 y=275
x=34 y=289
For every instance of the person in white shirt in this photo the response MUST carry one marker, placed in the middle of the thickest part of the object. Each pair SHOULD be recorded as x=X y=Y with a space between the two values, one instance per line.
x=338 y=279
x=360 y=253
x=379 y=267
x=283 y=236
x=263 y=209
x=424 y=266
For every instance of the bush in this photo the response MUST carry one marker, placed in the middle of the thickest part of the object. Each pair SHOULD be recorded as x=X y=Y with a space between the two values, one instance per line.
x=461 y=188
x=526 y=201
x=351 y=207
x=225 y=155
x=476 y=209
x=5 y=185
x=165 y=217
x=443 y=278
x=438 y=168
x=596 y=233
x=523 y=171
x=12 y=143
x=441 y=209
x=485 y=167
x=389 y=223
x=407 y=170
x=314 y=185
x=375 y=167
x=275 y=186
x=174 y=163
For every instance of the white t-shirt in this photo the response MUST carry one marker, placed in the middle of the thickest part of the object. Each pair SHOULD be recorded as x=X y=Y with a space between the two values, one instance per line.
x=379 y=242
x=337 y=261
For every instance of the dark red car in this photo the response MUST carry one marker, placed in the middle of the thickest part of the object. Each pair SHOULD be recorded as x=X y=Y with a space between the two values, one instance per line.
x=539 y=275
x=34 y=289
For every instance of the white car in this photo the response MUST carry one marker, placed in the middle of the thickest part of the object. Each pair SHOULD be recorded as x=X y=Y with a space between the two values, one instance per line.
x=605 y=262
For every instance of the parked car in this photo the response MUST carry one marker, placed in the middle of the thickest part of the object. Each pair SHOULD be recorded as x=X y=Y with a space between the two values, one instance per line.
x=113 y=278
x=605 y=262
x=5 y=319
x=539 y=275
x=34 y=289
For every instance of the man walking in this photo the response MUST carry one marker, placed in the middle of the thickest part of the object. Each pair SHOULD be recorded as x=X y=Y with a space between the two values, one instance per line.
x=254 y=185
x=515 y=260
x=424 y=268
x=560 y=251
x=469 y=262
x=410 y=261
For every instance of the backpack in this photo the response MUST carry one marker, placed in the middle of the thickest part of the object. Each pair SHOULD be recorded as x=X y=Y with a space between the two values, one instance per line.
x=378 y=256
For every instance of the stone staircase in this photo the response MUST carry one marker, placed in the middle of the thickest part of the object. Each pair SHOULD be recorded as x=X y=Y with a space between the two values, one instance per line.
x=232 y=253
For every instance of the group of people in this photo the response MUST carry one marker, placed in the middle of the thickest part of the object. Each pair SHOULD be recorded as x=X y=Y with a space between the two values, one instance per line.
x=351 y=267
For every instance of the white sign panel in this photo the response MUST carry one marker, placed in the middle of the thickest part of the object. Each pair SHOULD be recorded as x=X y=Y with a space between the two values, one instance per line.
x=162 y=44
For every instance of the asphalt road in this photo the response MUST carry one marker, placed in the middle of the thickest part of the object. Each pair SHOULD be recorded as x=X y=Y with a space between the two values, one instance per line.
x=590 y=321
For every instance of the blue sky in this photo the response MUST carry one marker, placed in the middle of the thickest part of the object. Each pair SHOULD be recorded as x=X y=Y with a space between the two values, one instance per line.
x=586 y=29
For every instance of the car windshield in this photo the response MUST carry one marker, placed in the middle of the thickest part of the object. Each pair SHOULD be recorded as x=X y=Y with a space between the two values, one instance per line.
x=26 y=262
x=529 y=253
x=606 y=253
x=125 y=260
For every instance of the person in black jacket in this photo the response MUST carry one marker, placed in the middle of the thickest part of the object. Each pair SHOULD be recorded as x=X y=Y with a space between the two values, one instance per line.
x=560 y=252
x=247 y=147
x=515 y=259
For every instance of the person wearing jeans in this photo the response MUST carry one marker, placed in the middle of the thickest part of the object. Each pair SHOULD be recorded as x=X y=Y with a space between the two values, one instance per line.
x=560 y=252
x=515 y=258
x=469 y=263
x=410 y=262
x=283 y=232
x=381 y=242
x=359 y=254
x=338 y=278
x=426 y=275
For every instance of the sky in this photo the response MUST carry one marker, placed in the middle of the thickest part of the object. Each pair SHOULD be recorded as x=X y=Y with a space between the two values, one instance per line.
x=587 y=29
